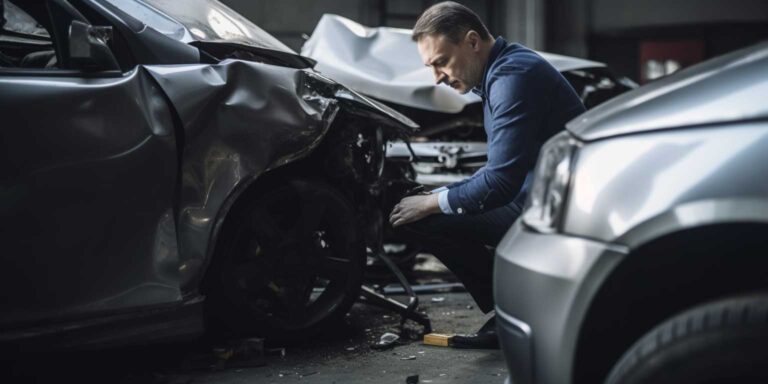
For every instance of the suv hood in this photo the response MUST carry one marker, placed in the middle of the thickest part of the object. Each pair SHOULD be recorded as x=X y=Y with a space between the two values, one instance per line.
x=726 y=89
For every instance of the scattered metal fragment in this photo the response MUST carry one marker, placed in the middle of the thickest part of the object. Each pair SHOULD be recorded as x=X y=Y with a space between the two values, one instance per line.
x=413 y=379
x=386 y=341
x=411 y=357
x=308 y=374
x=351 y=348
x=438 y=299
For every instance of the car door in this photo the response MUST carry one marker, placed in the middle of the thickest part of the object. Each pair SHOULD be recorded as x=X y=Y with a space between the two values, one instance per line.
x=88 y=176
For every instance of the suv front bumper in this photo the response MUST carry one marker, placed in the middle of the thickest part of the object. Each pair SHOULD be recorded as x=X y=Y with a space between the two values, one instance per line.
x=543 y=284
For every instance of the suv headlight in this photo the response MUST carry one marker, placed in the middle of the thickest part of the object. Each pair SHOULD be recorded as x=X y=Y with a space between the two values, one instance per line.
x=545 y=204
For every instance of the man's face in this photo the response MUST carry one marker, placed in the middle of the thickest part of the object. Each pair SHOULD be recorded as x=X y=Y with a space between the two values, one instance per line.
x=455 y=64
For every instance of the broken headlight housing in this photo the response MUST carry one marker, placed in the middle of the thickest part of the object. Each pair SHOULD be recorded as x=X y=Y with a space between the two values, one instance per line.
x=546 y=202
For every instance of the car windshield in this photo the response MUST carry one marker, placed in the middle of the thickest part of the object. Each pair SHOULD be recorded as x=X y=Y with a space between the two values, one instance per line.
x=206 y=20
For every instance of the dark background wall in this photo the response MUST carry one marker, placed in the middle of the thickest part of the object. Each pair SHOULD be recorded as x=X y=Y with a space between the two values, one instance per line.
x=621 y=32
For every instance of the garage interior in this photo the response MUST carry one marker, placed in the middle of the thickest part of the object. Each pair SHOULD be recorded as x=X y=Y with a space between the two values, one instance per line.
x=640 y=40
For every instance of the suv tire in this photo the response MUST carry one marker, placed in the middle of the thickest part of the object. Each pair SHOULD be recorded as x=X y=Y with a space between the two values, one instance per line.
x=720 y=342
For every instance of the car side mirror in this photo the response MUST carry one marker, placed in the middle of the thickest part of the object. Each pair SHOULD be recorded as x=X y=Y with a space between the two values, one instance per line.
x=88 y=49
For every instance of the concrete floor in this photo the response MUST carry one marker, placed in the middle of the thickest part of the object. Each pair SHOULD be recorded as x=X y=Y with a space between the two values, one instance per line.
x=349 y=359
x=342 y=355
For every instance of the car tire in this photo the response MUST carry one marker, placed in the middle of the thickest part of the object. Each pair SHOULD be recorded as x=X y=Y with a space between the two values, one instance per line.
x=259 y=278
x=721 y=342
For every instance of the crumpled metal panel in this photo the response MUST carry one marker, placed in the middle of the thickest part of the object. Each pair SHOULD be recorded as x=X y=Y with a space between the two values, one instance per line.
x=384 y=63
x=240 y=119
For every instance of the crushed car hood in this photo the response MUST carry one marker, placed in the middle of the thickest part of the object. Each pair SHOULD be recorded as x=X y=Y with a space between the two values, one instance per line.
x=384 y=63
x=725 y=89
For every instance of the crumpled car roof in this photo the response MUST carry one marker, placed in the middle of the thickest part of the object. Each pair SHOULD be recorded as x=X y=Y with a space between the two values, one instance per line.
x=384 y=63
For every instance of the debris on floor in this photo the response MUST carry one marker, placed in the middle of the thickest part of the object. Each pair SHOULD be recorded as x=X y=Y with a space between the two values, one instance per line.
x=276 y=352
x=411 y=357
x=386 y=341
x=438 y=299
x=413 y=379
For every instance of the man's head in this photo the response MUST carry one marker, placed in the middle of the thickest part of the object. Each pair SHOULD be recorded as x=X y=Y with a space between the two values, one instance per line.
x=454 y=43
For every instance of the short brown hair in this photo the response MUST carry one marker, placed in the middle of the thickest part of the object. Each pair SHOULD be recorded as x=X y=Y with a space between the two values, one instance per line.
x=451 y=20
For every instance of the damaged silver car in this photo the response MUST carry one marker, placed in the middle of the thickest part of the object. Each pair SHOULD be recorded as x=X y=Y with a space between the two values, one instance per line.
x=167 y=160
x=383 y=63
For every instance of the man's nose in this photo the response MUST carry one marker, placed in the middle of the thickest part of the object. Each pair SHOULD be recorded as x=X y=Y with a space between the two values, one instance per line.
x=440 y=77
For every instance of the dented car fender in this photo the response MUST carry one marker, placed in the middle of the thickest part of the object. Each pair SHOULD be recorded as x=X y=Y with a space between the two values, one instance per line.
x=239 y=120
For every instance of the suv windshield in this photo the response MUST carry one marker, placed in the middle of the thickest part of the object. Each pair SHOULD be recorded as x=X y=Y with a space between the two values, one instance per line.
x=206 y=20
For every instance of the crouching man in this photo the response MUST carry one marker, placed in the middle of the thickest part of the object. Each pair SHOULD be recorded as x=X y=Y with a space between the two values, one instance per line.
x=525 y=102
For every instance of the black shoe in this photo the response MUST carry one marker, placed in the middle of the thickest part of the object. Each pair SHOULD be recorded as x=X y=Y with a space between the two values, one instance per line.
x=485 y=338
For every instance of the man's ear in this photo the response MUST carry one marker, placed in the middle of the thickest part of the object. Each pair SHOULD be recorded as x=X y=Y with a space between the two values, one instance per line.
x=473 y=39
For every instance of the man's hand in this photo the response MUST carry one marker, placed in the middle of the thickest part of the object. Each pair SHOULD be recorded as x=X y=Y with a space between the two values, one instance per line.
x=414 y=208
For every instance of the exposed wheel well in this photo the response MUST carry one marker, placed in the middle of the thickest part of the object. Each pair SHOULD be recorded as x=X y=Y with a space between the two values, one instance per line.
x=662 y=278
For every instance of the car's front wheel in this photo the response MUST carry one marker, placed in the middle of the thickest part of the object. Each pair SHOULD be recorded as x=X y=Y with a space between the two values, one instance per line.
x=717 y=343
x=290 y=261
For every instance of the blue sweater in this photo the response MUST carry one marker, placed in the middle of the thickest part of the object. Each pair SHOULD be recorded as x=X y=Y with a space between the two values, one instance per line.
x=525 y=102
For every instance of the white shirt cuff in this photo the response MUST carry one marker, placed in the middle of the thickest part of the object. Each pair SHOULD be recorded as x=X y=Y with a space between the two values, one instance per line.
x=442 y=200
x=438 y=190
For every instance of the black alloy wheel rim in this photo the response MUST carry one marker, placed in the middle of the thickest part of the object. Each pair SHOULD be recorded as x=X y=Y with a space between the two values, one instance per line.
x=292 y=263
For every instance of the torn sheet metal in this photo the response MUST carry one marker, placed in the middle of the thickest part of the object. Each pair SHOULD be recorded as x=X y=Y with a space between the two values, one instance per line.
x=240 y=120
x=384 y=63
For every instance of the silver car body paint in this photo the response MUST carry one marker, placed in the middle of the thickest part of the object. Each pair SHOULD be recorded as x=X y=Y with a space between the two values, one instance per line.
x=384 y=63
x=667 y=181
x=726 y=89
x=562 y=271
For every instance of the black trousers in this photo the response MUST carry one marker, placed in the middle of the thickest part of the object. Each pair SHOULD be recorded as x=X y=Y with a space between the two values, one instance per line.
x=462 y=242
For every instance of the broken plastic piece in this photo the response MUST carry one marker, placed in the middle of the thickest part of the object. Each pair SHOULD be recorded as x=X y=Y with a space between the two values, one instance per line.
x=386 y=341
x=411 y=357
x=439 y=299
x=413 y=379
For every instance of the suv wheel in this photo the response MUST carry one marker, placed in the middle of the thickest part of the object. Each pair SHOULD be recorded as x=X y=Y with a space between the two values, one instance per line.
x=721 y=342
